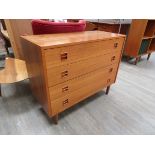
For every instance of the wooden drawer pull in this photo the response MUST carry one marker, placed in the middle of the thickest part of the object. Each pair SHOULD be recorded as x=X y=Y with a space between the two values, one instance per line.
x=64 y=89
x=113 y=58
x=65 y=102
x=110 y=70
x=64 y=56
x=64 y=74
x=108 y=80
x=115 y=45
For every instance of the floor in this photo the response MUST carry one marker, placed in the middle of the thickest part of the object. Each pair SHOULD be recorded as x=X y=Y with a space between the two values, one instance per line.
x=128 y=109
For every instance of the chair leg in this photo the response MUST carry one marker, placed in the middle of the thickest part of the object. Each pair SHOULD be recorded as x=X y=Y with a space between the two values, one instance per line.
x=148 y=57
x=55 y=119
x=107 y=90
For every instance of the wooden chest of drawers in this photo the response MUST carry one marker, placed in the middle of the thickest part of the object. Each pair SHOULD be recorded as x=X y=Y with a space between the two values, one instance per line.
x=67 y=68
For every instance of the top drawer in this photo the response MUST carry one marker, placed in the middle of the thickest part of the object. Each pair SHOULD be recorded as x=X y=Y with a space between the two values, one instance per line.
x=68 y=54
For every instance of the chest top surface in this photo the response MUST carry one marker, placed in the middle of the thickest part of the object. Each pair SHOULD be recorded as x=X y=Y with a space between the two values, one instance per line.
x=63 y=39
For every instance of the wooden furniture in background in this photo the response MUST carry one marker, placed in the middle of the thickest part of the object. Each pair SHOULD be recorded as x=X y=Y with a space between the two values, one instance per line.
x=141 y=39
x=69 y=67
x=112 y=27
x=91 y=27
x=105 y=25
x=14 y=71
x=16 y=28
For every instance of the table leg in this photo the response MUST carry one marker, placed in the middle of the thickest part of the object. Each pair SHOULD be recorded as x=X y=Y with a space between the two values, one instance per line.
x=148 y=57
x=55 y=119
x=107 y=90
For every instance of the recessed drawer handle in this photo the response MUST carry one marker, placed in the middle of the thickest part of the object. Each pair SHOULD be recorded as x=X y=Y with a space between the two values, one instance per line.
x=110 y=70
x=65 y=102
x=64 y=74
x=115 y=45
x=64 y=56
x=64 y=89
x=113 y=58
x=108 y=80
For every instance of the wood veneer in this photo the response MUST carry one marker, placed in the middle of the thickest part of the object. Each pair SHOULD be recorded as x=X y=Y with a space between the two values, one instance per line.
x=14 y=71
x=15 y=28
x=67 y=68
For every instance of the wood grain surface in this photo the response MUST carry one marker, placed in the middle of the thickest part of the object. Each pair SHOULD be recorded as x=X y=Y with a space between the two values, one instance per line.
x=56 y=58
x=14 y=71
x=58 y=40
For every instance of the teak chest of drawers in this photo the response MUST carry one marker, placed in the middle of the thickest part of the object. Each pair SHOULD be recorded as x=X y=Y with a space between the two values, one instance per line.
x=67 y=68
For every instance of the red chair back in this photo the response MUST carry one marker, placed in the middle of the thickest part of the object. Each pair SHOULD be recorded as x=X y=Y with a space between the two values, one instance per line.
x=48 y=27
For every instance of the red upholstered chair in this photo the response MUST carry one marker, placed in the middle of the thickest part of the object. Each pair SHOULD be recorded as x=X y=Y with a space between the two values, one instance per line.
x=48 y=27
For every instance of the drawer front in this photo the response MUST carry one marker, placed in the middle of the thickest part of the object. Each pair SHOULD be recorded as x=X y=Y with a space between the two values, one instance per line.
x=68 y=54
x=72 y=85
x=80 y=89
x=61 y=74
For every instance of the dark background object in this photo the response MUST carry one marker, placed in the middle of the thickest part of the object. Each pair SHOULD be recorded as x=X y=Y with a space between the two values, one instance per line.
x=2 y=60
x=3 y=24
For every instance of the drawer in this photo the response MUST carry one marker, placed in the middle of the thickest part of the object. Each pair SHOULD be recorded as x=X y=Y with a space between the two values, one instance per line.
x=82 y=81
x=68 y=54
x=59 y=74
x=80 y=89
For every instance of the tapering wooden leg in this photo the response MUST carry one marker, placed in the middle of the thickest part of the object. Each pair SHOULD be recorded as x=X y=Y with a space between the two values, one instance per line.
x=148 y=57
x=55 y=119
x=137 y=59
x=107 y=90
x=0 y=90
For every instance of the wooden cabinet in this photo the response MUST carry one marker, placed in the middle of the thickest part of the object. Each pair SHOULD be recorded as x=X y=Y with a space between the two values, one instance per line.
x=141 y=39
x=67 y=68
x=115 y=28
x=16 y=28
x=106 y=25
